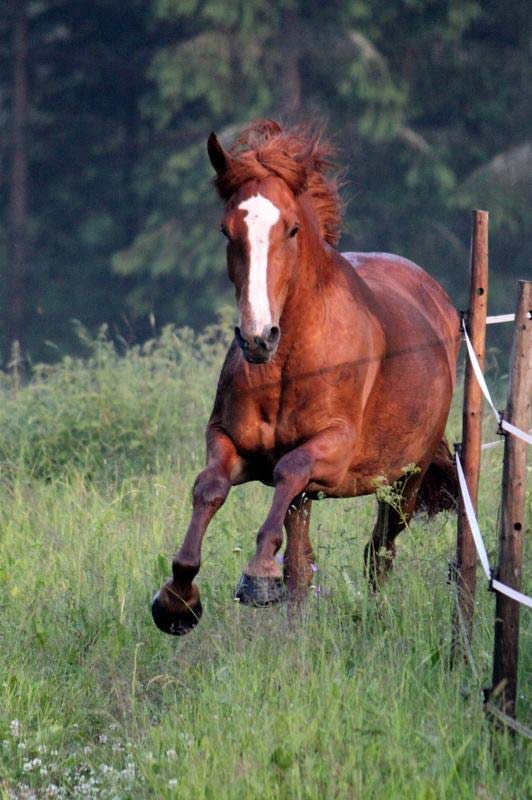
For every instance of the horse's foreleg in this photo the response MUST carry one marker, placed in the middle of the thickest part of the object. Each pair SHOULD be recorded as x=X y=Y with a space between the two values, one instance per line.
x=298 y=555
x=320 y=460
x=176 y=608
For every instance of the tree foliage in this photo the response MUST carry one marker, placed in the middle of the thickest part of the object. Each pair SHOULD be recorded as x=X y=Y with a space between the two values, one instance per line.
x=429 y=101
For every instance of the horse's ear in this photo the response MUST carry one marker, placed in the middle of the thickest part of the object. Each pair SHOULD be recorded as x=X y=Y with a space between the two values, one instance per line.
x=217 y=155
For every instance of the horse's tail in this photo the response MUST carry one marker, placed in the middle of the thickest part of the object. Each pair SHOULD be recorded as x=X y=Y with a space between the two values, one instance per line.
x=439 y=488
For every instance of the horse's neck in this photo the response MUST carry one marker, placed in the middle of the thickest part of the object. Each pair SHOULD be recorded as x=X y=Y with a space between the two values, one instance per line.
x=318 y=274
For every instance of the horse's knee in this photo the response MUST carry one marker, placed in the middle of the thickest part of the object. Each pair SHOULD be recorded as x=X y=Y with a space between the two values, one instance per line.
x=210 y=489
x=296 y=464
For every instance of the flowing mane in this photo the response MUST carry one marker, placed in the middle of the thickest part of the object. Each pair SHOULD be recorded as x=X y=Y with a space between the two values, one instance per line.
x=301 y=158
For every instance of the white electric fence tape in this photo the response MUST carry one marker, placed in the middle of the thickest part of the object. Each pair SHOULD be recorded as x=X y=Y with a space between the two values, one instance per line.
x=500 y=318
x=490 y=445
x=473 y=524
x=505 y=425
x=479 y=543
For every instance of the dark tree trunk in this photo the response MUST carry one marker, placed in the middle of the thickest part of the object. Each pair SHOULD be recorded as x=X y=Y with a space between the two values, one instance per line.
x=18 y=201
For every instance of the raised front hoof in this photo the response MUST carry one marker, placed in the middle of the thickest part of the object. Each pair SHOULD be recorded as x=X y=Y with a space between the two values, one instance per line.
x=260 y=592
x=176 y=623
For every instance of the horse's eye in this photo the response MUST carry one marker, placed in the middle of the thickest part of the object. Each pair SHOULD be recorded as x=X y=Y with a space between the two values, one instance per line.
x=294 y=230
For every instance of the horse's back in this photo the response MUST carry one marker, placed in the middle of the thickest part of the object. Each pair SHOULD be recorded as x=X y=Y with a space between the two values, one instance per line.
x=411 y=305
x=387 y=273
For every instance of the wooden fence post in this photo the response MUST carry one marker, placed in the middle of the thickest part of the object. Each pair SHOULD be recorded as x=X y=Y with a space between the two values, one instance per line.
x=464 y=571
x=512 y=527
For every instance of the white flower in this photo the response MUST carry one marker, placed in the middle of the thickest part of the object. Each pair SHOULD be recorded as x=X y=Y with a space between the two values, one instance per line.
x=171 y=754
x=14 y=728
x=172 y=783
x=28 y=766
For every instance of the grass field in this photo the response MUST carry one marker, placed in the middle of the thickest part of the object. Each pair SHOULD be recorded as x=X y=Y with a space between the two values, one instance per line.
x=98 y=458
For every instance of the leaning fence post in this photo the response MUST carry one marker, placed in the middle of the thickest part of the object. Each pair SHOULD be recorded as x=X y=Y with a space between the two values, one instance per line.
x=466 y=557
x=512 y=524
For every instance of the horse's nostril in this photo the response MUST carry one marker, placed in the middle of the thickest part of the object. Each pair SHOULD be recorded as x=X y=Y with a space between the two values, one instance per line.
x=240 y=339
x=273 y=336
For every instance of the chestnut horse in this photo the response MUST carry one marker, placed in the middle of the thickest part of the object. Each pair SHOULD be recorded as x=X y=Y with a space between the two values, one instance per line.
x=339 y=378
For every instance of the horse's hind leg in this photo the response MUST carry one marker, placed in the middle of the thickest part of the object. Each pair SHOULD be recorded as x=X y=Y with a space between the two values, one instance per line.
x=392 y=518
x=298 y=555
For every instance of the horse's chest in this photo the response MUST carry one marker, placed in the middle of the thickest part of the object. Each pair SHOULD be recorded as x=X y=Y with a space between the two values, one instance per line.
x=270 y=422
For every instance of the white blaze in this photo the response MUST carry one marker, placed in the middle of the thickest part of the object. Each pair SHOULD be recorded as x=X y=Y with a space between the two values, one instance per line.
x=261 y=215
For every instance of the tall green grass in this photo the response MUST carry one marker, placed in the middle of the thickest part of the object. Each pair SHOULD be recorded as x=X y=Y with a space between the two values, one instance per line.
x=98 y=457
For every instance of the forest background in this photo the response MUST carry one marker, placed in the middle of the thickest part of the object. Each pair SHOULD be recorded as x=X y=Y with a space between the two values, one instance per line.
x=106 y=213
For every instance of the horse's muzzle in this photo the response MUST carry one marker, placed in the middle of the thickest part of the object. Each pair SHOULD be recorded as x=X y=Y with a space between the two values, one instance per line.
x=259 y=349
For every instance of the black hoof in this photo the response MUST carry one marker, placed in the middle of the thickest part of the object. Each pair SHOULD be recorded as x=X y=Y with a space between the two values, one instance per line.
x=176 y=624
x=260 y=592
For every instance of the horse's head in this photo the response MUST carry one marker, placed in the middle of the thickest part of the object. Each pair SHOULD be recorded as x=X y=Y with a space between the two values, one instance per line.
x=261 y=224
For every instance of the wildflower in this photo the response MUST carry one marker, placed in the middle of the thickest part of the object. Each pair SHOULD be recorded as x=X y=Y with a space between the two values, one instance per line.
x=28 y=766
x=171 y=754
x=14 y=728
x=42 y=749
x=102 y=737
x=172 y=783
x=129 y=772
x=314 y=567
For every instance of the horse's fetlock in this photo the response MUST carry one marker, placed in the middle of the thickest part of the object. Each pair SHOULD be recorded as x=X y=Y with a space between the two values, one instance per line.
x=274 y=537
x=184 y=571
